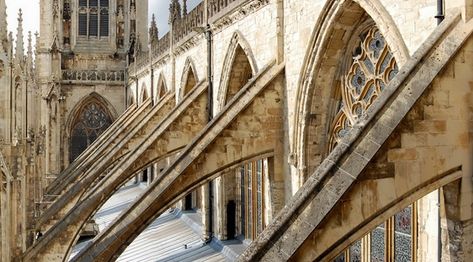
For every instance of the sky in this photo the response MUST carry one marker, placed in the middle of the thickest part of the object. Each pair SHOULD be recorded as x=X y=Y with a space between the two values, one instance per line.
x=30 y=10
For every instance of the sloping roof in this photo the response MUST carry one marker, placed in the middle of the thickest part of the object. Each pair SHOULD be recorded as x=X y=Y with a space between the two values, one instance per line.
x=164 y=240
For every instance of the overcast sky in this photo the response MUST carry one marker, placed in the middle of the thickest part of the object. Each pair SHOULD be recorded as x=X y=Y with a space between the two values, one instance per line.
x=30 y=10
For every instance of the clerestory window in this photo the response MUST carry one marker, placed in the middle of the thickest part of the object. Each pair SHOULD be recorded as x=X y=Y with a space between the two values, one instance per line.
x=94 y=19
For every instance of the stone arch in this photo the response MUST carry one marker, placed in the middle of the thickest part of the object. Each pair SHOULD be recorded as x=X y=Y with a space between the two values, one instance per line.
x=238 y=67
x=131 y=98
x=189 y=77
x=144 y=93
x=90 y=117
x=315 y=97
x=161 y=87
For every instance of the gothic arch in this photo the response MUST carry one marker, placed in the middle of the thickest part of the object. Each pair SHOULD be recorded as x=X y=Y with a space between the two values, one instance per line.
x=131 y=97
x=189 y=77
x=316 y=95
x=239 y=62
x=161 y=87
x=144 y=93
x=89 y=118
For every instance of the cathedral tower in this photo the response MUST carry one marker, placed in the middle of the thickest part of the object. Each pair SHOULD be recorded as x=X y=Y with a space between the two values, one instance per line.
x=82 y=59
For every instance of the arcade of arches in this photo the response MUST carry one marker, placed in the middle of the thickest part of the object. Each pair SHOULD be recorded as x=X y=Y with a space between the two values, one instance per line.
x=254 y=130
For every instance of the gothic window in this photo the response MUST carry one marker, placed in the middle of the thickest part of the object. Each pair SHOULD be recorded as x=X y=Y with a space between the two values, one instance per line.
x=373 y=67
x=393 y=240
x=251 y=179
x=91 y=121
x=94 y=18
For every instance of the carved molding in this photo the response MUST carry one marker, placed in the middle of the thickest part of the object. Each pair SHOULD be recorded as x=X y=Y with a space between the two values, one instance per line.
x=93 y=75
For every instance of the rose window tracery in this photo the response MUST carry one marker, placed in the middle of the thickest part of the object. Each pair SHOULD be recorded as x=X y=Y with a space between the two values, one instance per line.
x=372 y=68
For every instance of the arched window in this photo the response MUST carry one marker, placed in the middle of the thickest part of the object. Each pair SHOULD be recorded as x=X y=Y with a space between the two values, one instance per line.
x=94 y=18
x=91 y=121
x=373 y=66
x=393 y=240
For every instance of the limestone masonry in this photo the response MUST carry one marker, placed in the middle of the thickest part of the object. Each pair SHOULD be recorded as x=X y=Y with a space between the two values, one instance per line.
x=277 y=130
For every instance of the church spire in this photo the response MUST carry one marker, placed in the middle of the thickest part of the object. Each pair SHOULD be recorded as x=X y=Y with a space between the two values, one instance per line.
x=19 y=52
x=153 y=31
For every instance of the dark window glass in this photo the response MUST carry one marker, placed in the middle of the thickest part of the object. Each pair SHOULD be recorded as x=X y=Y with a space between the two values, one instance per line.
x=93 y=25
x=103 y=3
x=82 y=2
x=104 y=25
x=82 y=24
x=93 y=2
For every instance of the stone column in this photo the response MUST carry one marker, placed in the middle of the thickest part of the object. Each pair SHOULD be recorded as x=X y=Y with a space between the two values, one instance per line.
x=428 y=227
x=206 y=230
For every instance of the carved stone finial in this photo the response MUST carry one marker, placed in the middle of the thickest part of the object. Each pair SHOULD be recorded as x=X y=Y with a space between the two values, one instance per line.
x=184 y=7
x=19 y=52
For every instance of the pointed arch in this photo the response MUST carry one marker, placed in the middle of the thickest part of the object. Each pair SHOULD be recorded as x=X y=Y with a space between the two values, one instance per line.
x=316 y=95
x=189 y=77
x=144 y=93
x=90 y=117
x=238 y=67
x=131 y=98
x=161 y=87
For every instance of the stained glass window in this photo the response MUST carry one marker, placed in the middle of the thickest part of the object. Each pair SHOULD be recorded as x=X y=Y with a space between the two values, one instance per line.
x=355 y=252
x=92 y=120
x=403 y=235
x=372 y=67
x=392 y=241
x=378 y=244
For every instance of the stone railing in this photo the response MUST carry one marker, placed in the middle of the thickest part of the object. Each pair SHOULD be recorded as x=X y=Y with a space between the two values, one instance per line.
x=161 y=46
x=142 y=60
x=184 y=26
x=218 y=7
x=93 y=75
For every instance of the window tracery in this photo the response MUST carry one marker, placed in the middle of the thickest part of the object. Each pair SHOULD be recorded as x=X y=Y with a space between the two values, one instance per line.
x=373 y=67
x=393 y=240
x=94 y=18
x=251 y=197
x=92 y=121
